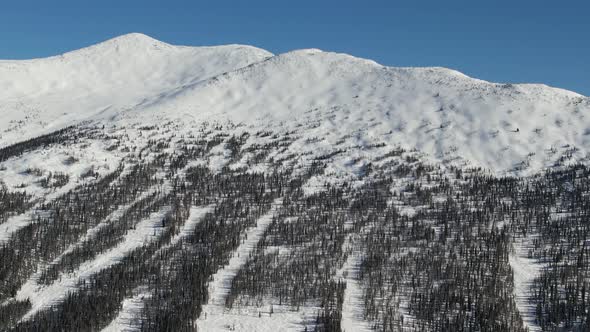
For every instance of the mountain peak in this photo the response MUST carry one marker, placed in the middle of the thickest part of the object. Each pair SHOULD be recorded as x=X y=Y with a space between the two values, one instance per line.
x=132 y=41
x=440 y=111
x=135 y=36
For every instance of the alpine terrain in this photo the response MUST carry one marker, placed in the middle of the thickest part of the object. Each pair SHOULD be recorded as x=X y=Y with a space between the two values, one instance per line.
x=152 y=187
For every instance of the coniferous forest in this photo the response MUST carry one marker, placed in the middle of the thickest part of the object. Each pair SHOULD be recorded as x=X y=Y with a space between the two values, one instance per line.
x=170 y=239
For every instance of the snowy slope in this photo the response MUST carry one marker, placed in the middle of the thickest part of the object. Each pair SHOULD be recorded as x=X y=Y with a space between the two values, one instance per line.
x=438 y=111
x=142 y=102
x=449 y=116
x=113 y=75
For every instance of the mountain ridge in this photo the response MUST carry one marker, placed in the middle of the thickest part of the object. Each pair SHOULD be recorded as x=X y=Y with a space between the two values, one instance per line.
x=437 y=110
x=149 y=187
x=136 y=39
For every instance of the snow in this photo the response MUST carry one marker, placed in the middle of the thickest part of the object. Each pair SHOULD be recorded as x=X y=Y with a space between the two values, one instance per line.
x=90 y=233
x=71 y=160
x=52 y=160
x=14 y=223
x=331 y=102
x=441 y=112
x=132 y=306
x=219 y=157
x=247 y=319
x=525 y=271
x=212 y=318
x=41 y=297
x=196 y=215
x=105 y=79
x=353 y=304
x=352 y=312
x=435 y=110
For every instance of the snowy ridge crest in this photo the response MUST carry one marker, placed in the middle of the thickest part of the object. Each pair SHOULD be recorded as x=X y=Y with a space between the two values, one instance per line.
x=146 y=186
x=439 y=111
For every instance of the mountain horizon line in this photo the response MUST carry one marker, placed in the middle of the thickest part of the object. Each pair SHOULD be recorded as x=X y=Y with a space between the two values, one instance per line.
x=139 y=39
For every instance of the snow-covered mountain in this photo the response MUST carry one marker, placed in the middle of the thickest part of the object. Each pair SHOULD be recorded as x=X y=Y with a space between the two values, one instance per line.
x=152 y=187
x=117 y=74
x=439 y=111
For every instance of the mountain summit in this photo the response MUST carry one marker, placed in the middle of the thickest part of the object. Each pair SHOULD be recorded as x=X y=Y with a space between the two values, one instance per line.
x=152 y=187
x=436 y=110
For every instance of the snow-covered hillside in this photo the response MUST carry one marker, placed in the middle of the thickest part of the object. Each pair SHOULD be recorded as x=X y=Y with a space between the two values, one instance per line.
x=152 y=187
x=441 y=112
x=438 y=111
x=46 y=94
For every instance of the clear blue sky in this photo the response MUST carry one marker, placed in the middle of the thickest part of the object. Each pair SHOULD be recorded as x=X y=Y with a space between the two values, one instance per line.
x=498 y=40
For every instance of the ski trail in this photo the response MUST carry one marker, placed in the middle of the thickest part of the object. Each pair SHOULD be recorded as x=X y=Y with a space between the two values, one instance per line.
x=41 y=297
x=196 y=215
x=525 y=270
x=352 y=307
x=113 y=216
x=145 y=231
x=15 y=223
x=220 y=286
x=133 y=305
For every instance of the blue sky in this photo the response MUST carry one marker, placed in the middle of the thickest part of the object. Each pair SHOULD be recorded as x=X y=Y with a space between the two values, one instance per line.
x=504 y=41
